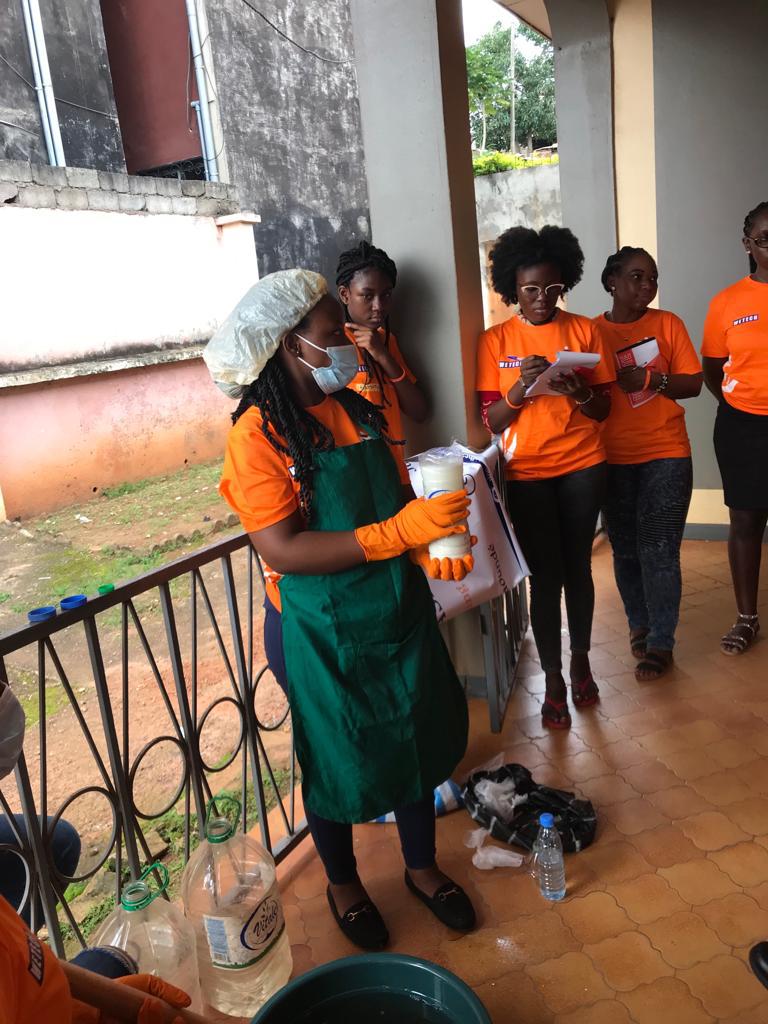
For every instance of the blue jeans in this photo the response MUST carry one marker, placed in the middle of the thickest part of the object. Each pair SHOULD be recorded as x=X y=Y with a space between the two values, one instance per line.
x=645 y=511
x=65 y=854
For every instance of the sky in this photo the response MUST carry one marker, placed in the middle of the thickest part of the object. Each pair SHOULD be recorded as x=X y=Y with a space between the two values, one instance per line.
x=480 y=16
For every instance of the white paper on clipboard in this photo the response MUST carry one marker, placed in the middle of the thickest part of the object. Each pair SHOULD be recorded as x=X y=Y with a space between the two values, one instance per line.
x=564 y=361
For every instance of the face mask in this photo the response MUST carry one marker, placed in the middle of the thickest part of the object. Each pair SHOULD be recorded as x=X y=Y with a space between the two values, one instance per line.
x=11 y=732
x=342 y=370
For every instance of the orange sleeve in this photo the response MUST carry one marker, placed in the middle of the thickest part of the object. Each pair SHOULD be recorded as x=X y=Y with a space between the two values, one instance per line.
x=714 y=345
x=605 y=371
x=33 y=986
x=394 y=351
x=684 y=357
x=255 y=481
x=488 y=361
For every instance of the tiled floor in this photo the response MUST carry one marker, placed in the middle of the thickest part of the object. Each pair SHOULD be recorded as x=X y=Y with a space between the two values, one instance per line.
x=661 y=911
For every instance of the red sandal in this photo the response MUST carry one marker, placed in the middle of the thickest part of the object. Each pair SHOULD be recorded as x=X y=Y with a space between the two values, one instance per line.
x=550 y=722
x=585 y=694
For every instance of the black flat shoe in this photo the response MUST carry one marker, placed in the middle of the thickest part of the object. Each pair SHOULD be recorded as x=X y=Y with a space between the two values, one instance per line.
x=362 y=924
x=758 y=961
x=450 y=904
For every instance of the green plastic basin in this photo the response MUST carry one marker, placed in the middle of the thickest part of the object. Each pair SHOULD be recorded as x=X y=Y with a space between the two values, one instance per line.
x=376 y=988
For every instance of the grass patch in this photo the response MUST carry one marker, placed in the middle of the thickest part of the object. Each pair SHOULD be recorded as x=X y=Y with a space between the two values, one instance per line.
x=129 y=488
x=76 y=571
x=55 y=700
x=4 y=596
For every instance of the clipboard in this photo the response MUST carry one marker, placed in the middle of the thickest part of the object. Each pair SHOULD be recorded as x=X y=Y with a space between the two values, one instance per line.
x=564 y=361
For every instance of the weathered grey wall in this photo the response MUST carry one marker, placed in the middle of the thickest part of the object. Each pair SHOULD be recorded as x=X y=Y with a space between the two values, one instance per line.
x=711 y=159
x=581 y=34
x=77 y=56
x=529 y=197
x=292 y=128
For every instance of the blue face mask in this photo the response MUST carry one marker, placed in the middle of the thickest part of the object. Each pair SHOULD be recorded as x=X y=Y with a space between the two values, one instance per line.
x=342 y=370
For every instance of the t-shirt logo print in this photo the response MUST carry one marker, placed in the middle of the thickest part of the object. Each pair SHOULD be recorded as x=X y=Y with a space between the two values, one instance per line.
x=509 y=362
x=746 y=319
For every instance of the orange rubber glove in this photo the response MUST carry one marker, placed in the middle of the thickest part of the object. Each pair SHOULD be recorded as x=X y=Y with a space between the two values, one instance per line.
x=450 y=570
x=162 y=999
x=420 y=522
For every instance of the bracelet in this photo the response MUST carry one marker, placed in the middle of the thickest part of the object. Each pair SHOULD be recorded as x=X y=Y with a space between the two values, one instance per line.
x=515 y=407
x=398 y=380
x=647 y=380
x=663 y=384
x=586 y=400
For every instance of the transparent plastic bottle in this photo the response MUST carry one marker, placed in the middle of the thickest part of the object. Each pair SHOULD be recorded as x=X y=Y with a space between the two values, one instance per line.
x=548 y=864
x=230 y=894
x=155 y=933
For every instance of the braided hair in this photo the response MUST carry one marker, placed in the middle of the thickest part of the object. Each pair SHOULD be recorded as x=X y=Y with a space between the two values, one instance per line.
x=749 y=223
x=519 y=248
x=616 y=263
x=352 y=261
x=293 y=431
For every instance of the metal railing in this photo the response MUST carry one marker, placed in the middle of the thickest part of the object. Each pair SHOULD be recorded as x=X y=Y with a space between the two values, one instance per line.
x=146 y=665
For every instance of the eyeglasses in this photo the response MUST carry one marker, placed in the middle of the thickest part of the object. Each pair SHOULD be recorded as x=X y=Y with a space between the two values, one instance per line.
x=533 y=291
x=761 y=243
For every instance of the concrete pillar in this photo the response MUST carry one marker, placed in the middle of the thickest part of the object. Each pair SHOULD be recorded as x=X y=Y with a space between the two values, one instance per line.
x=411 y=71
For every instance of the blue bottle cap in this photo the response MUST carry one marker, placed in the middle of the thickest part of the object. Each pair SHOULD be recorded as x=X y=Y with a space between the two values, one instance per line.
x=73 y=601
x=546 y=820
x=41 y=614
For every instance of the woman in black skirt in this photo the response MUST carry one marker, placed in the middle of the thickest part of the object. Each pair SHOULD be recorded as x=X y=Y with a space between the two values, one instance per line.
x=735 y=359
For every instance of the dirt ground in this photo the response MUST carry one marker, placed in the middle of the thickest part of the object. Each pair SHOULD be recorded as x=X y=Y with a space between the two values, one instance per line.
x=119 y=535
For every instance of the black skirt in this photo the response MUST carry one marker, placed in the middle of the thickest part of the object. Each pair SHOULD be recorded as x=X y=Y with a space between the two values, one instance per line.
x=741 y=447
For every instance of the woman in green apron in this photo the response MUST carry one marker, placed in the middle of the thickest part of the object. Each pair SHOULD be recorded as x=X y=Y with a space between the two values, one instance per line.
x=379 y=715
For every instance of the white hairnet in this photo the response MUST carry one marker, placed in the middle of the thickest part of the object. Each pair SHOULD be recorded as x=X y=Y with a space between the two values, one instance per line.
x=251 y=334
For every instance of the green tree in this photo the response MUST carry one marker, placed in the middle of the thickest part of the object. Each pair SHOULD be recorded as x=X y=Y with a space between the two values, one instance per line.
x=487 y=81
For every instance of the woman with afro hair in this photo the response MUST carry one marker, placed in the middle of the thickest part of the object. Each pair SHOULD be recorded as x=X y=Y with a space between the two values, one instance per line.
x=552 y=445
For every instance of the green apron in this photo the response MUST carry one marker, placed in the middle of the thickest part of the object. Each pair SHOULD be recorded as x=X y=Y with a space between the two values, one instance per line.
x=379 y=715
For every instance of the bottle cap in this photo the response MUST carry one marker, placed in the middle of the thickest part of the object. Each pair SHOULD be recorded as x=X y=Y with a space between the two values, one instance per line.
x=41 y=614
x=73 y=601
x=139 y=894
x=106 y=588
x=546 y=820
x=218 y=826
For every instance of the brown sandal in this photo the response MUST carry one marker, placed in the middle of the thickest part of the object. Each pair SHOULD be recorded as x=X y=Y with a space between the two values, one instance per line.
x=655 y=664
x=637 y=643
x=735 y=642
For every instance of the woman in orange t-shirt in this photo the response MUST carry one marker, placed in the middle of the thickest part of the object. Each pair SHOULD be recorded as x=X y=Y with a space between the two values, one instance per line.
x=650 y=476
x=552 y=445
x=366 y=278
x=735 y=357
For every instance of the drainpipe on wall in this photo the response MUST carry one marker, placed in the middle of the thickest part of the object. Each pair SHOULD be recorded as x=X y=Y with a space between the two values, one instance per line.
x=38 y=55
x=204 y=110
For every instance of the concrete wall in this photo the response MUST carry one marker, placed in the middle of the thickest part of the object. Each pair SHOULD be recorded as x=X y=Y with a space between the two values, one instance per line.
x=21 y=136
x=292 y=128
x=711 y=157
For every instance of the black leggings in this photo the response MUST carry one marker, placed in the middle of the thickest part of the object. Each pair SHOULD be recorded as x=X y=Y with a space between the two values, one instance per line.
x=333 y=839
x=555 y=521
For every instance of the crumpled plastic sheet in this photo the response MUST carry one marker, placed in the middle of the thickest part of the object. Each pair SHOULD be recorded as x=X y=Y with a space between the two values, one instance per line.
x=488 y=857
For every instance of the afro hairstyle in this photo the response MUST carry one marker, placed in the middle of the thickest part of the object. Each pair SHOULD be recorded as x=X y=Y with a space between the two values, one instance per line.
x=519 y=248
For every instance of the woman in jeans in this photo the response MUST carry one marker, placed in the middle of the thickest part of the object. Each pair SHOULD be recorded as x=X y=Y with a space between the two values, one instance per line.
x=649 y=456
x=552 y=445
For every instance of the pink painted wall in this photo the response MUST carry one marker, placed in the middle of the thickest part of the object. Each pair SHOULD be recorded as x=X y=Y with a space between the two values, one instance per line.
x=63 y=441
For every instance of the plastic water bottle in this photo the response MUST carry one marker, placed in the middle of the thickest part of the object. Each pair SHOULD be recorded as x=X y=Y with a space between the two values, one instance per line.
x=549 y=866
x=155 y=933
x=230 y=895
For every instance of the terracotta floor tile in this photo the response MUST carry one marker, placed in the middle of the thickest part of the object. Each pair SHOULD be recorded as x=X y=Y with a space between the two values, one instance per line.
x=650 y=778
x=663 y=1002
x=511 y=893
x=702 y=732
x=597 y=732
x=731 y=753
x=638 y=723
x=680 y=712
x=594 y=917
x=665 y=846
x=513 y=990
x=747 y=863
x=627 y=960
x=311 y=882
x=759 y=739
x=569 y=982
x=689 y=764
x=698 y=881
x=614 y=862
x=633 y=816
x=581 y=767
x=662 y=740
x=724 y=986
x=620 y=706
x=607 y=1011
x=679 y=802
x=302 y=960
x=754 y=774
x=647 y=898
x=489 y=953
x=527 y=754
x=712 y=830
x=736 y=919
x=607 y=789
x=294 y=922
x=684 y=939
x=623 y=754
x=756 y=1015
x=751 y=815
x=722 y=789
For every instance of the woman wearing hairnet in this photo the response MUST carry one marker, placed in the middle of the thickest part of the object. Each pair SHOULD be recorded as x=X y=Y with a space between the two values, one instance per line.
x=379 y=716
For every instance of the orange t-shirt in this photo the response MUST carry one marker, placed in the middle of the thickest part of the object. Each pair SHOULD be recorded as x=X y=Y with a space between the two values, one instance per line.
x=551 y=435
x=33 y=986
x=366 y=383
x=654 y=429
x=736 y=329
x=257 y=481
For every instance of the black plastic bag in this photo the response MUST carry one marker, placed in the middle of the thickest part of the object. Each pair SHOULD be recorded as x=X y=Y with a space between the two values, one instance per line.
x=575 y=819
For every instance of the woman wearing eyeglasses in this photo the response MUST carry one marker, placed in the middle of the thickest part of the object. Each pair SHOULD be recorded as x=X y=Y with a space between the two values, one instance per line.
x=552 y=445
x=735 y=359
